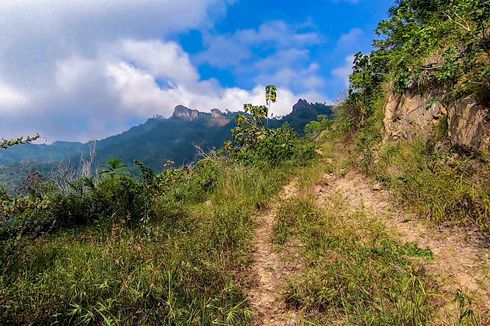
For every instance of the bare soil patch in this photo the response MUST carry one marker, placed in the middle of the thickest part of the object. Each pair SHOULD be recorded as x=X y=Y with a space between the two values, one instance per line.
x=461 y=255
x=271 y=269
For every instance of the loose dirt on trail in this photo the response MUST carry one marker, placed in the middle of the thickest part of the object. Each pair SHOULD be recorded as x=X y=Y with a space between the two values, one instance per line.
x=461 y=256
x=270 y=270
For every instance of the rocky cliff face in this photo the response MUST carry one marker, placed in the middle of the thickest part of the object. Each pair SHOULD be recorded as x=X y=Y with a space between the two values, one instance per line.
x=185 y=113
x=215 y=118
x=469 y=124
x=218 y=118
x=410 y=115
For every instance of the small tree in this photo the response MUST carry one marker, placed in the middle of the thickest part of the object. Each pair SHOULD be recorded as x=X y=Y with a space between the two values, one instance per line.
x=114 y=167
x=250 y=129
x=270 y=97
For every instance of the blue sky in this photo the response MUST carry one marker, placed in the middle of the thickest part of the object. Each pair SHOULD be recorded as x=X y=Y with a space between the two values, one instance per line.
x=343 y=28
x=80 y=70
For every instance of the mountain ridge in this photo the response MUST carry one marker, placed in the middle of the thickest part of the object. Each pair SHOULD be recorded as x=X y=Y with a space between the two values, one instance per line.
x=153 y=142
x=302 y=111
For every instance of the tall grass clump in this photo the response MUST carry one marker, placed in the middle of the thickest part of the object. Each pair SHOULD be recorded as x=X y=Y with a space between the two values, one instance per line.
x=353 y=271
x=182 y=265
x=439 y=185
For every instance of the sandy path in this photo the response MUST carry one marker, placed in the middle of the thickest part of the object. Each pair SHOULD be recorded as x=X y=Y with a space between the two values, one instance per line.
x=270 y=269
x=462 y=256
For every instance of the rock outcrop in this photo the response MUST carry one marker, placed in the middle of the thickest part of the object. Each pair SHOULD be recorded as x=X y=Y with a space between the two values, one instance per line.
x=411 y=116
x=469 y=124
x=218 y=118
x=185 y=113
x=215 y=118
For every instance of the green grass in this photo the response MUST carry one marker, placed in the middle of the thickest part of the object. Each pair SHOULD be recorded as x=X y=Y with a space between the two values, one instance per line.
x=354 y=271
x=440 y=186
x=184 y=266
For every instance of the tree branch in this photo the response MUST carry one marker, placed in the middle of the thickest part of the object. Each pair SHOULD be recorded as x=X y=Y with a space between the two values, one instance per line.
x=6 y=143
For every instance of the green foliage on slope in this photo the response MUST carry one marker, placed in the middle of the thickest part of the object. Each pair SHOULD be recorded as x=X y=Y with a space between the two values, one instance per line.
x=169 y=247
x=434 y=46
x=153 y=143
x=154 y=256
x=254 y=143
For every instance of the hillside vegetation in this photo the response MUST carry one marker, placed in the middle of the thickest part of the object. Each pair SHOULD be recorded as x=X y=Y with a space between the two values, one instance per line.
x=155 y=142
x=342 y=226
x=168 y=247
x=438 y=50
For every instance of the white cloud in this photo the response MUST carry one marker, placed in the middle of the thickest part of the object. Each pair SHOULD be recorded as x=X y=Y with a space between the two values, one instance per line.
x=53 y=54
x=349 y=40
x=345 y=46
x=342 y=73
x=74 y=71
x=307 y=78
x=36 y=34
x=11 y=98
x=163 y=60
x=80 y=70
x=274 y=53
x=282 y=58
x=230 y=50
x=140 y=92
x=132 y=80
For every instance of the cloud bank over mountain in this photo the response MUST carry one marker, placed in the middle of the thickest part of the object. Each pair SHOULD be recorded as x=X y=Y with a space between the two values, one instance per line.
x=79 y=70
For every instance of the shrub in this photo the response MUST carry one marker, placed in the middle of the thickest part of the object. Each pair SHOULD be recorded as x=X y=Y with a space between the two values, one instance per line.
x=254 y=143
x=314 y=128
x=46 y=209
x=125 y=198
x=440 y=47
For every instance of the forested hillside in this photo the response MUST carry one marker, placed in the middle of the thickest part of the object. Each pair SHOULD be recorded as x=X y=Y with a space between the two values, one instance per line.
x=153 y=143
x=378 y=215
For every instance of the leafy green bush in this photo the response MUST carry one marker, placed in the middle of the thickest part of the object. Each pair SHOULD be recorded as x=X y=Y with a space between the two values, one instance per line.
x=279 y=145
x=436 y=46
x=190 y=184
x=125 y=198
x=202 y=180
x=314 y=128
x=46 y=208
x=114 y=195
x=254 y=143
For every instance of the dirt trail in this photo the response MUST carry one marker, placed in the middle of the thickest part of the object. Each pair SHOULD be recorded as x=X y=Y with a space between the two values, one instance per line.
x=270 y=270
x=462 y=257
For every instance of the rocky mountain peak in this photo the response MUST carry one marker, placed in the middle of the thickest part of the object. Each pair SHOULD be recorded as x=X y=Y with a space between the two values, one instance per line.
x=300 y=105
x=185 y=113
x=215 y=113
